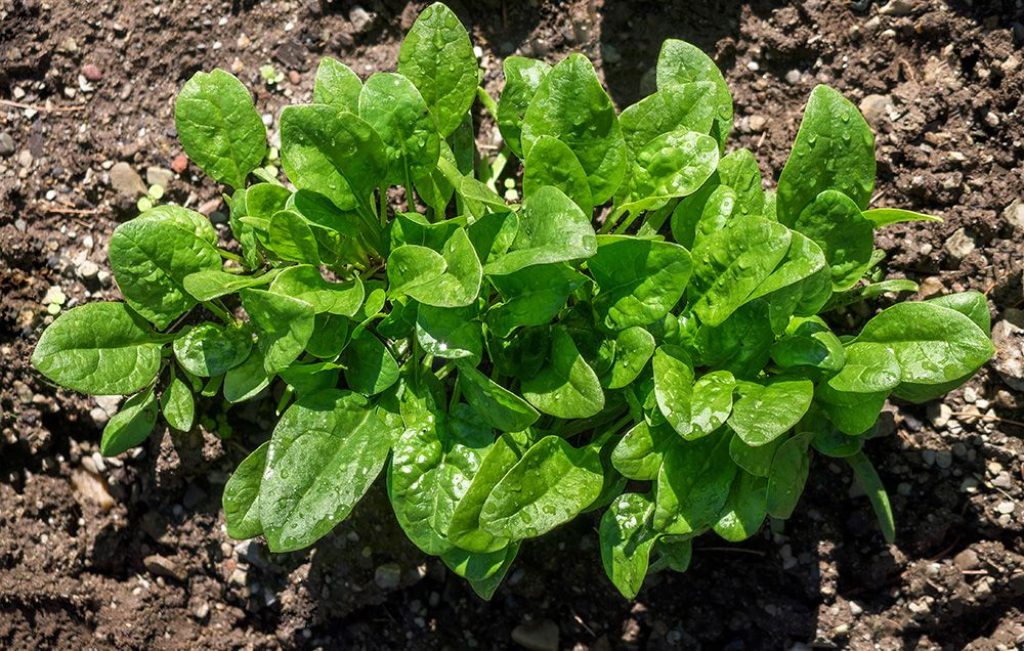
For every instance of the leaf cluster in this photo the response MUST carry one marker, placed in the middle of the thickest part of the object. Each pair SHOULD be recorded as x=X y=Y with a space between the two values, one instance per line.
x=509 y=367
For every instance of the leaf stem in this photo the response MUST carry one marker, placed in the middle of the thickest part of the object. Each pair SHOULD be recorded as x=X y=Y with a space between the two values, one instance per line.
x=612 y=219
x=219 y=311
x=228 y=255
x=487 y=101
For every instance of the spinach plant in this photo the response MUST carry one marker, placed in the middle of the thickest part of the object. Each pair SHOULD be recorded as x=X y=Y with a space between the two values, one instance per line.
x=509 y=367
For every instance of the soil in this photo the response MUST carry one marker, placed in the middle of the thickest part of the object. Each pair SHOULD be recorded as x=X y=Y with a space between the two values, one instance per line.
x=131 y=552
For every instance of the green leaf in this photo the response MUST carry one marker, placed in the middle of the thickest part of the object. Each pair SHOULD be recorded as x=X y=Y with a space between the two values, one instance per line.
x=532 y=296
x=571 y=105
x=330 y=334
x=834 y=150
x=691 y=106
x=639 y=280
x=493 y=234
x=852 y=413
x=739 y=172
x=495 y=405
x=430 y=472
x=337 y=86
x=291 y=237
x=693 y=484
x=369 y=366
x=152 y=254
x=130 y=425
x=638 y=455
x=766 y=411
x=673 y=388
x=325 y=452
x=246 y=380
x=626 y=542
x=207 y=349
x=869 y=368
x=485 y=588
x=932 y=344
x=755 y=460
x=872 y=483
x=566 y=387
x=745 y=509
x=741 y=344
x=177 y=405
x=801 y=284
x=973 y=305
x=209 y=284
x=449 y=279
x=674 y=164
x=219 y=127
x=810 y=344
x=633 y=347
x=284 y=325
x=729 y=266
x=523 y=77
x=305 y=283
x=241 y=496
x=790 y=467
x=451 y=333
x=99 y=349
x=835 y=223
x=391 y=104
x=712 y=400
x=465 y=529
x=549 y=486
x=310 y=378
x=435 y=188
x=551 y=162
x=681 y=63
x=438 y=57
x=552 y=228
x=332 y=152
x=881 y=217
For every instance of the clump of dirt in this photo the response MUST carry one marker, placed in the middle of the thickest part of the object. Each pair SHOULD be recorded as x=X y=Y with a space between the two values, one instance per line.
x=131 y=552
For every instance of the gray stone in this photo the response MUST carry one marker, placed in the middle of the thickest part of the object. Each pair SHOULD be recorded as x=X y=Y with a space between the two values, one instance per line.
x=126 y=181
x=388 y=576
x=361 y=19
x=158 y=565
x=876 y=109
x=959 y=245
x=88 y=269
x=793 y=76
x=1009 y=361
x=967 y=560
x=7 y=146
x=1006 y=507
x=537 y=635
x=159 y=176
x=1013 y=214
x=897 y=8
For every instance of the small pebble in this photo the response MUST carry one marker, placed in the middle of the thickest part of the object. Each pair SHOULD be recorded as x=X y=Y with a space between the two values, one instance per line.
x=7 y=146
x=1006 y=507
x=92 y=72
x=388 y=576
x=180 y=163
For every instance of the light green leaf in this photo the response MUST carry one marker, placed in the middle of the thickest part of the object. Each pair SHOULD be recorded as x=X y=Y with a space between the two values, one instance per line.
x=152 y=254
x=209 y=284
x=549 y=486
x=451 y=333
x=332 y=152
x=626 y=541
x=691 y=106
x=552 y=228
x=523 y=77
x=571 y=105
x=291 y=237
x=391 y=104
x=671 y=165
x=495 y=405
x=246 y=380
x=177 y=405
x=869 y=368
x=673 y=388
x=449 y=279
x=712 y=400
x=337 y=86
x=693 y=484
x=633 y=347
x=881 y=217
x=99 y=349
x=681 y=63
x=872 y=483
x=745 y=509
x=835 y=223
x=834 y=150
x=219 y=128
x=766 y=411
x=638 y=455
x=973 y=305
x=532 y=296
x=551 y=162
x=325 y=452
x=438 y=57
x=284 y=325
x=130 y=425
x=790 y=467
x=304 y=282
x=207 y=349
x=566 y=387
x=639 y=280
x=241 y=496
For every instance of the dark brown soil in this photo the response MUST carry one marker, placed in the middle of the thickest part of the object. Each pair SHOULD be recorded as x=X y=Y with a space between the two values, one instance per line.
x=131 y=552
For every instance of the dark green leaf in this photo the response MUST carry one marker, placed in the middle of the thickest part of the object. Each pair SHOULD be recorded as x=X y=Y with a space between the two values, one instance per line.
x=304 y=282
x=130 y=425
x=522 y=79
x=745 y=509
x=566 y=387
x=495 y=405
x=284 y=325
x=208 y=349
x=766 y=411
x=790 y=467
x=551 y=162
x=241 y=496
x=369 y=367
x=391 y=104
x=693 y=484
